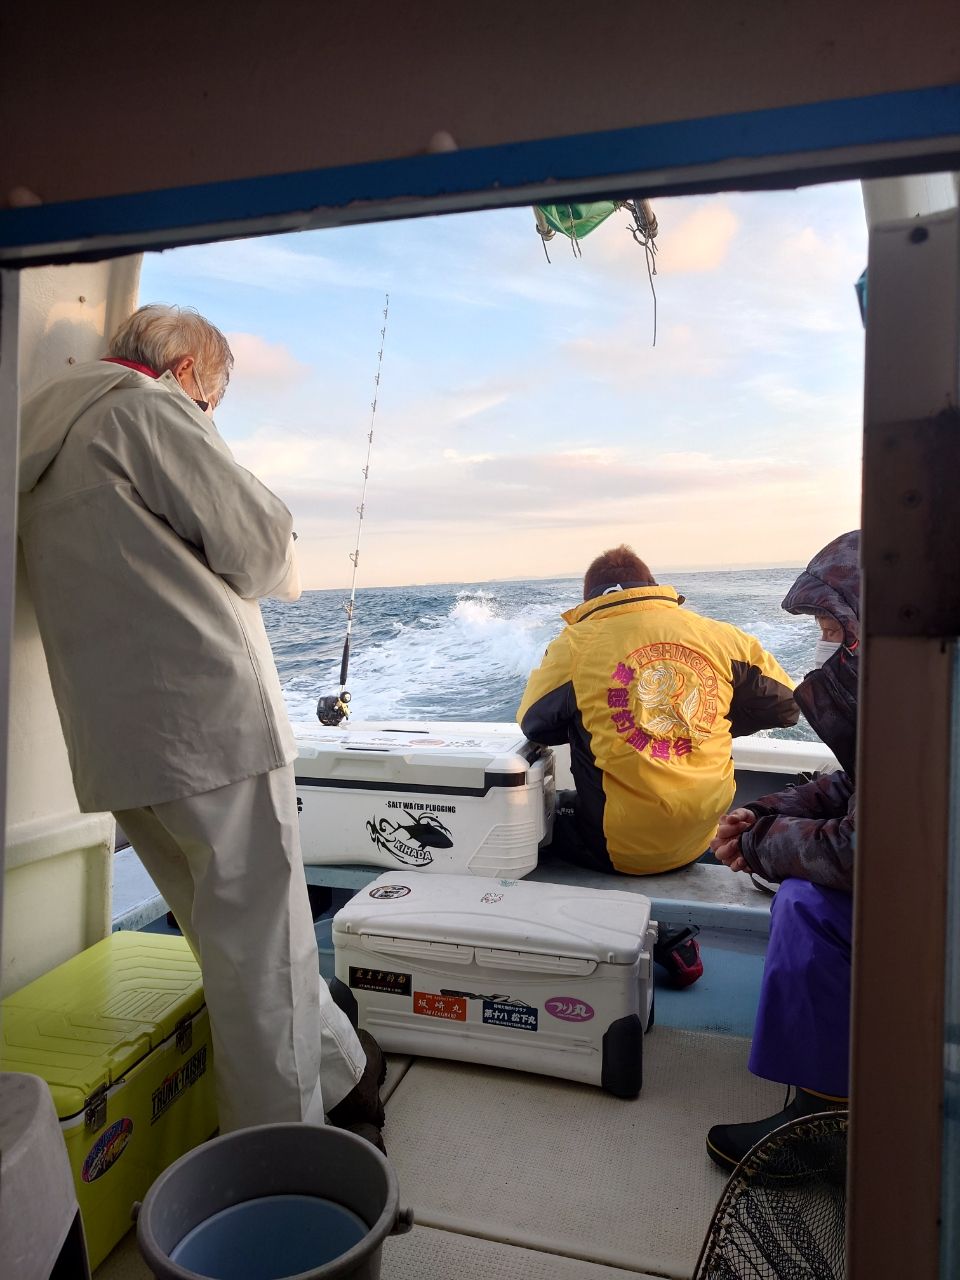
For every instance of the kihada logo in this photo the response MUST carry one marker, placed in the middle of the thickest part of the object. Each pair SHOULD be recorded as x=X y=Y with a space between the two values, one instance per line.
x=410 y=842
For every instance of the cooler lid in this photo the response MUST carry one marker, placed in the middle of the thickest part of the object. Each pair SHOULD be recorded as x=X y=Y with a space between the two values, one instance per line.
x=87 y=1022
x=406 y=757
x=602 y=925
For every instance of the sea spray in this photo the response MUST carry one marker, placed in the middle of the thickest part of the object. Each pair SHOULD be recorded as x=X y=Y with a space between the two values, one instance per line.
x=463 y=651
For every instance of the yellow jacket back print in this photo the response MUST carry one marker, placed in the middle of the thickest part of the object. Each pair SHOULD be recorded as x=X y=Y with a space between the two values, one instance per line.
x=650 y=695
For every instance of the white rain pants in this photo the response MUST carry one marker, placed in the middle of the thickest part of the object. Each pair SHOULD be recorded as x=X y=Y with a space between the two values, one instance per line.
x=228 y=863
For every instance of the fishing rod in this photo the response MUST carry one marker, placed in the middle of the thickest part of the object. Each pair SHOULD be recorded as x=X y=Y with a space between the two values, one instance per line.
x=333 y=708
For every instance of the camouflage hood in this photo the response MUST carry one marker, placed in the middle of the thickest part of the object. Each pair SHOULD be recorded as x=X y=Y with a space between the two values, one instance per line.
x=830 y=584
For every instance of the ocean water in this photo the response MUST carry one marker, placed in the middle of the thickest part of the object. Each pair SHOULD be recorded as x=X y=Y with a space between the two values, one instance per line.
x=464 y=651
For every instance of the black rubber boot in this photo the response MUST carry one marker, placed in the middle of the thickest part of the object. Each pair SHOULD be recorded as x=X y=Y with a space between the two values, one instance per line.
x=361 y=1111
x=727 y=1144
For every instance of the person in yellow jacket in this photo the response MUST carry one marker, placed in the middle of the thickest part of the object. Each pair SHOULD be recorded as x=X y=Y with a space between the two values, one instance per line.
x=649 y=696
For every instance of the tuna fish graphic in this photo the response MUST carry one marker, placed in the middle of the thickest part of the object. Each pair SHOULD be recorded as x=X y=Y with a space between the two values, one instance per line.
x=411 y=842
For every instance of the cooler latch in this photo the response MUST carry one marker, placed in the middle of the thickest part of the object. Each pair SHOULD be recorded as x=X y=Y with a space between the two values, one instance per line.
x=95 y=1114
x=184 y=1030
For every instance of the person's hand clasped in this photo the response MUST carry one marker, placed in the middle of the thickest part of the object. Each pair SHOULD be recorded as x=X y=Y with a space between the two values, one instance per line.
x=725 y=846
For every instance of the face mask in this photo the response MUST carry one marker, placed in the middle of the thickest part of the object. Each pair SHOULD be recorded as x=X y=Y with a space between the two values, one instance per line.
x=823 y=650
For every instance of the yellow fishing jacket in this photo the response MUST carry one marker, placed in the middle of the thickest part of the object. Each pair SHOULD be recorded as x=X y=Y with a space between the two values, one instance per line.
x=649 y=696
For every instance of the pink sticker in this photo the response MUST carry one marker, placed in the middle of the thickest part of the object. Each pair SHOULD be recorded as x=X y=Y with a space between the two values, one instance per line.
x=569 y=1009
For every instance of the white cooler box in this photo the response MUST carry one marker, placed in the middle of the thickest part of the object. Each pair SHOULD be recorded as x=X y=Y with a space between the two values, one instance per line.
x=536 y=977
x=470 y=803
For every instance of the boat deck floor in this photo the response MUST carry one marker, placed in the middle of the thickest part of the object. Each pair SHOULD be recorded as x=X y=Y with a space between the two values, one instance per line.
x=517 y=1177
x=520 y=1177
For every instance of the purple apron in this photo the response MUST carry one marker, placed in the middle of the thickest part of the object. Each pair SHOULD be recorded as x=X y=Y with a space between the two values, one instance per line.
x=802 y=1033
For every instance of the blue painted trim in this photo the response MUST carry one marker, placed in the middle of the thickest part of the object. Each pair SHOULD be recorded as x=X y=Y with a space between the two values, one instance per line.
x=887 y=118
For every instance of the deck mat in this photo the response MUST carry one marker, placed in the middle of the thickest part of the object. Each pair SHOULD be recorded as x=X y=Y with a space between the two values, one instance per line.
x=426 y=1254
x=552 y=1165
x=125 y=1263
x=397 y=1066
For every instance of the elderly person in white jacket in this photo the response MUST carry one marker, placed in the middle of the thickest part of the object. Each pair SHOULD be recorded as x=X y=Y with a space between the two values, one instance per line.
x=147 y=549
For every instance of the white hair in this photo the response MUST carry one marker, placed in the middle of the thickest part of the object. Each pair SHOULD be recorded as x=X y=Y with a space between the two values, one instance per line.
x=158 y=335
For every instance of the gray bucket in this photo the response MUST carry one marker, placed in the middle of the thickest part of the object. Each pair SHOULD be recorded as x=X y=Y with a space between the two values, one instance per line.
x=277 y=1201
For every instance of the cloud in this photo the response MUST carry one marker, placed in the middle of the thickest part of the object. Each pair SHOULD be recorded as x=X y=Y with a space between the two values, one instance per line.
x=797 y=405
x=696 y=242
x=455 y=489
x=268 y=264
x=821 y=256
x=735 y=521
x=794 y=272
x=279 y=457
x=474 y=266
x=700 y=242
x=572 y=480
x=257 y=360
x=624 y=355
x=425 y=416
x=453 y=455
x=536 y=418
x=462 y=405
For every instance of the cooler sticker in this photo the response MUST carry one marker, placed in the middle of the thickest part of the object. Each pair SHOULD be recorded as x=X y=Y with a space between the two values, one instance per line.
x=492 y=898
x=495 y=999
x=516 y=1017
x=390 y=891
x=421 y=808
x=177 y=1083
x=431 y=1005
x=506 y=884
x=392 y=984
x=107 y=1150
x=410 y=842
x=569 y=1009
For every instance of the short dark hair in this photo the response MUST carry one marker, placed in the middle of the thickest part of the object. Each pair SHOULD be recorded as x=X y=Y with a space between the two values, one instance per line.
x=620 y=564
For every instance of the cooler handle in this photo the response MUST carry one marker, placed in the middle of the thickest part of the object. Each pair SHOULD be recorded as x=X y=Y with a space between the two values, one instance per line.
x=535 y=962
x=450 y=951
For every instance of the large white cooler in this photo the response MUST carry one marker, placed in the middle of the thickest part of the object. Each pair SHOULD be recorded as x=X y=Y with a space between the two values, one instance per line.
x=548 y=978
x=476 y=803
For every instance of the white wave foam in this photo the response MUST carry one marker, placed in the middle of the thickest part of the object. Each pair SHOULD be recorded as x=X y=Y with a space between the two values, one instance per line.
x=470 y=663
x=467 y=656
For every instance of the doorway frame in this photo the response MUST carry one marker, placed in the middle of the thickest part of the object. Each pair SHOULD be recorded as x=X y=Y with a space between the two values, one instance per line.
x=886 y=134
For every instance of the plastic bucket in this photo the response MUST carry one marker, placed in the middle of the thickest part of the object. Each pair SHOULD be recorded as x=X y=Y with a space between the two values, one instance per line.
x=277 y=1201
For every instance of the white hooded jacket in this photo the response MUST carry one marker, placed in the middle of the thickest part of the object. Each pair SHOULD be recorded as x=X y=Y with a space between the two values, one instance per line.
x=147 y=548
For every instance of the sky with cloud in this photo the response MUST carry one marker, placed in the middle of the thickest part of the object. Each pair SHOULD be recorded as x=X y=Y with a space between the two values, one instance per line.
x=525 y=421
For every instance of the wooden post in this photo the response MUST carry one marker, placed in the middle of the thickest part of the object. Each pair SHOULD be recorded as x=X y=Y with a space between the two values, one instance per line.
x=911 y=618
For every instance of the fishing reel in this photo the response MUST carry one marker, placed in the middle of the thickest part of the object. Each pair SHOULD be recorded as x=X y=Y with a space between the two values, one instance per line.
x=332 y=709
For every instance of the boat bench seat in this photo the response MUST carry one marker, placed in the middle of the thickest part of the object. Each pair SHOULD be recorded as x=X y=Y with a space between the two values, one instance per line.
x=709 y=896
x=701 y=894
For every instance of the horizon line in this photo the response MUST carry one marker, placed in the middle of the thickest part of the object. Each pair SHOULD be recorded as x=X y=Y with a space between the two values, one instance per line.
x=562 y=577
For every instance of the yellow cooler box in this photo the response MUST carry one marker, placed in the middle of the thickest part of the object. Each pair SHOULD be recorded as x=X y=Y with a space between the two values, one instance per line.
x=121 y=1035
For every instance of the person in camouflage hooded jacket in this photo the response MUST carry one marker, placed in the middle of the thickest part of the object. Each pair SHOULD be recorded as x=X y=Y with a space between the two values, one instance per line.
x=808 y=831
x=804 y=838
